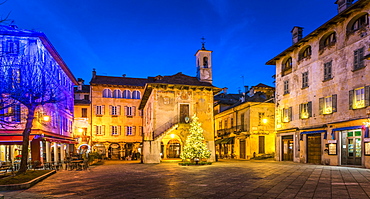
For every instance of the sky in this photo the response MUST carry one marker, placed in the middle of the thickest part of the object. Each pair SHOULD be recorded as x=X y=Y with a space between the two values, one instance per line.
x=142 y=38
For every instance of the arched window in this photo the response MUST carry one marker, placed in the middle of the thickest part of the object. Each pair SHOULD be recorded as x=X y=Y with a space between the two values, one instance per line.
x=117 y=94
x=328 y=40
x=305 y=53
x=287 y=66
x=107 y=93
x=205 y=62
x=127 y=94
x=136 y=95
x=358 y=22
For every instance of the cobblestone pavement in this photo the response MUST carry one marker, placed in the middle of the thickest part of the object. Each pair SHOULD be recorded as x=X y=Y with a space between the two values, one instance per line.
x=224 y=179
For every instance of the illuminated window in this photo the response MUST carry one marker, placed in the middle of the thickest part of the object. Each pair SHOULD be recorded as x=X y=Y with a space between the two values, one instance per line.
x=305 y=110
x=359 y=98
x=286 y=87
x=84 y=112
x=358 y=61
x=136 y=95
x=287 y=114
x=305 y=79
x=261 y=116
x=327 y=71
x=328 y=105
x=127 y=94
x=107 y=93
x=115 y=130
x=117 y=94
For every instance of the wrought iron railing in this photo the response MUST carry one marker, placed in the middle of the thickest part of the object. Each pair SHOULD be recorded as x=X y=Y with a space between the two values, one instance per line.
x=166 y=126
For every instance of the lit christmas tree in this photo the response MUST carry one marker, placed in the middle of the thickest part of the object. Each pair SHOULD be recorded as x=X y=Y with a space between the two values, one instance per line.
x=194 y=145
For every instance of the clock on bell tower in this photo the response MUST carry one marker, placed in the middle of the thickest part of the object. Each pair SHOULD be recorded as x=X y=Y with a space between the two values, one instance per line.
x=204 y=64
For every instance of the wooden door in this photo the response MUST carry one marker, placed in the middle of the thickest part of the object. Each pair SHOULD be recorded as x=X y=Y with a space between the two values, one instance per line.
x=184 y=112
x=314 y=148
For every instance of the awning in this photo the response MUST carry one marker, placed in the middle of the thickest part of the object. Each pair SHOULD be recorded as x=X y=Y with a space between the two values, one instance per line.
x=58 y=140
x=13 y=139
x=229 y=140
x=347 y=128
x=312 y=132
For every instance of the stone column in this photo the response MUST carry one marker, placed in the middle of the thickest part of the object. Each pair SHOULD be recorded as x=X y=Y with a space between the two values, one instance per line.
x=107 y=144
x=122 y=150
x=165 y=151
x=56 y=157
x=48 y=152
x=62 y=152
x=11 y=153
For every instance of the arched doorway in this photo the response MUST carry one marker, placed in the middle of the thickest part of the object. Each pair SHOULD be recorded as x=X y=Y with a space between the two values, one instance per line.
x=173 y=149
x=114 y=151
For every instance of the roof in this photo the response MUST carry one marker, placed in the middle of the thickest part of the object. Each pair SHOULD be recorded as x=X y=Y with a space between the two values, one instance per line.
x=324 y=27
x=129 y=81
x=229 y=99
x=178 y=78
x=260 y=85
x=14 y=31
x=85 y=89
x=82 y=101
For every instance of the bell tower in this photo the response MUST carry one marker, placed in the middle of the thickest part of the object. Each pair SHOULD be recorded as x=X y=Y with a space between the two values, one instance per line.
x=204 y=64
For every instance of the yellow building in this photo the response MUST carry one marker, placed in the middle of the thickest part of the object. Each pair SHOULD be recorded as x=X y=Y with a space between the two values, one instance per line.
x=245 y=129
x=323 y=91
x=116 y=121
x=169 y=102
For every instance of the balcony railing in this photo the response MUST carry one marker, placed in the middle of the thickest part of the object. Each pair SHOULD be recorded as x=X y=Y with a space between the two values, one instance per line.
x=235 y=129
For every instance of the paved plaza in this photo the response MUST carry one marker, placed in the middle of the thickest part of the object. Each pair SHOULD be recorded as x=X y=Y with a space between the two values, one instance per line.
x=224 y=179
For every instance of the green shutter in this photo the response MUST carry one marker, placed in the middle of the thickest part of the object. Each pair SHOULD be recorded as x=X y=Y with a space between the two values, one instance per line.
x=321 y=106
x=334 y=102
x=367 y=95
x=350 y=97
x=309 y=107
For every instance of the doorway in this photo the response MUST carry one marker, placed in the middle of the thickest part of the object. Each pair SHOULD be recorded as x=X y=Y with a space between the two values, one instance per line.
x=242 y=149
x=351 y=152
x=314 y=148
x=184 y=113
x=173 y=149
x=287 y=148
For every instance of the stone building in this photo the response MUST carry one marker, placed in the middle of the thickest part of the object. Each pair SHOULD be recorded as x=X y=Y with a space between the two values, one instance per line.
x=245 y=129
x=116 y=121
x=168 y=104
x=322 y=91
x=33 y=73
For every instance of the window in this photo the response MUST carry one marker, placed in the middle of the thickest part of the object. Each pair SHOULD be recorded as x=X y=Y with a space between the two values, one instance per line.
x=261 y=116
x=287 y=66
x=305 y=79
x=220 y=125
x=327 y=71
x=107 y=93
x=359 y=98
x=115 y=110
x=86 y=97
x=130 y=110
x=358 y=61
x=231 y=122
x=360 y=22
x=141 y=130
x=99 y=110
x=117 y=94
x=130 y=130
x=328 y=104
x=286 y=87
x=141 y=113
x=306 y=53
x=287 y=114
x=115 y=130
x=225 y=122
x=84 y=112
x=99 y=129
x=136 y=95
x=127 y=94
x=205 y=62
x=329 y=40
x=12 y=47
x=305 y=110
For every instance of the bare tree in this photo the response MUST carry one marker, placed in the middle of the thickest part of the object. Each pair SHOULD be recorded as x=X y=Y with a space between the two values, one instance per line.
x=31 y=79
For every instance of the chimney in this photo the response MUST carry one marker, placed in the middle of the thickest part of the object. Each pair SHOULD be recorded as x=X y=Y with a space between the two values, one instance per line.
x=93 y=73
x=80 y=83
x=297 y=33
x=343 y=4
x=246 y=89
x=225 y=90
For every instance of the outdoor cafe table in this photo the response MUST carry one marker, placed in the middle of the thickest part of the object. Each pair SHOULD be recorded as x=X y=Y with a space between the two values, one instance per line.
x=76 y=163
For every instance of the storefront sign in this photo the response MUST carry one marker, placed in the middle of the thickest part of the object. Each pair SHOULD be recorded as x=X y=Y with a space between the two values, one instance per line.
x=332 y=141
x=332 y=149
x=114 y=146
x=366 y=139
x=367 y=148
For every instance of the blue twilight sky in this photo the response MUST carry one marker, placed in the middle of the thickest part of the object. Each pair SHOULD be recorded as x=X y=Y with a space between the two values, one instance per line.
x=144 y=38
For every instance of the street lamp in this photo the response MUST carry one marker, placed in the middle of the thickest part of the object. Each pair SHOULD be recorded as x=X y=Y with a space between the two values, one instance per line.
x=46 y=118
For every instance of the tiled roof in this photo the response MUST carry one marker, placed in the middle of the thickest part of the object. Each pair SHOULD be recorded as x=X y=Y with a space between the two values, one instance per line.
x=263 y=85
x=119 y=81
x=178 y=78
x=82 y=101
